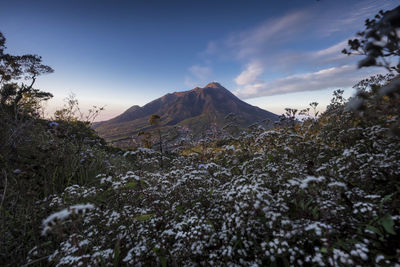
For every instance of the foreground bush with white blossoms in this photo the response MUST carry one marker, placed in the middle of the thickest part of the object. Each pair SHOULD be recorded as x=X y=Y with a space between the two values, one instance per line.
x=324 y=191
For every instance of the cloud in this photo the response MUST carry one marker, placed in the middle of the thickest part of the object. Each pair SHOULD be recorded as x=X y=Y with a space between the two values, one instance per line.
x=256 y=41
x=296 y=49
x=251 y=84
x=333 y=50
x=335 y=77
x=211 y=49
x=272 y=47
x=354 y=15
x=250 y=74
x=275 y=42
x=321 y=58
x=200 y=72
x=198 y=75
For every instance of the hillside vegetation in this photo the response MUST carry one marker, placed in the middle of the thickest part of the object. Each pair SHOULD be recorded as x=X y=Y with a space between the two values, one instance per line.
x=323 y=191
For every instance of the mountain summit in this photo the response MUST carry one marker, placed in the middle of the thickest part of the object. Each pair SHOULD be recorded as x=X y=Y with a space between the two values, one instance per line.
x=198 y=110
x=214 y=85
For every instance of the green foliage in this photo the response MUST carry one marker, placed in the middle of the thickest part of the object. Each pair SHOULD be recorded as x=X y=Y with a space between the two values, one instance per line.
x=144 y=217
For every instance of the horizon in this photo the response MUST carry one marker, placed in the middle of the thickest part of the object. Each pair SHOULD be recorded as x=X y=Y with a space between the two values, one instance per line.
x=269 y=54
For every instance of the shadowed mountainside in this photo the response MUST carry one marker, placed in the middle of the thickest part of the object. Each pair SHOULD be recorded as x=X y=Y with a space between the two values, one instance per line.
x=198 y=109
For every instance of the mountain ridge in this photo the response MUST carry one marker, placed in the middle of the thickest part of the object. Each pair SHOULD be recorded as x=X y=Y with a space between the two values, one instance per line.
x=198 y=109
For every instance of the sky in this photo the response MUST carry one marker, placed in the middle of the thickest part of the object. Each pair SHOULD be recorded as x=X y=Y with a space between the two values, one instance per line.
x=274 y=54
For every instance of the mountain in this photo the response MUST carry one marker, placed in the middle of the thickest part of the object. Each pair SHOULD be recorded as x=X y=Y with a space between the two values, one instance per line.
x=198 y=110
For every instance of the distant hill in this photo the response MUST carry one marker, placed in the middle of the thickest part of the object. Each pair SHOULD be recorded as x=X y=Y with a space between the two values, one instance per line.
x=197 y=110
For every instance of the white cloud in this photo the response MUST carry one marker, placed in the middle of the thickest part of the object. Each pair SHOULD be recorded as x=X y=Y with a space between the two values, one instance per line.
x=335 y=77
x=250 y=74
x=332 y=50
x=263 y=45
x=250 y=82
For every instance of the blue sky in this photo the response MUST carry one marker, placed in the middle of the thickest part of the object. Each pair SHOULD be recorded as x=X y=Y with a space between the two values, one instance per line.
x=273 y=54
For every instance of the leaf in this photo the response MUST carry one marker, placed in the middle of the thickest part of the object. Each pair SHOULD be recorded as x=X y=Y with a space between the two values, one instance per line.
x=308 y=203
x=131 y=185
x=116 y=253
x=144 y=217
x=285 y=262
x=387 y=223
x=315 y=212
x=181 y=209
x=102 y=264
x=302 y=204
x=387 y=197
x=163 y=261
x=374 y=229
x=342 y=244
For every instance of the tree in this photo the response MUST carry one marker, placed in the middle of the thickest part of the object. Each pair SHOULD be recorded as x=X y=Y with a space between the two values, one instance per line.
x=379 y=42
x=155 y=121
x=145 y=138
x=22 y=95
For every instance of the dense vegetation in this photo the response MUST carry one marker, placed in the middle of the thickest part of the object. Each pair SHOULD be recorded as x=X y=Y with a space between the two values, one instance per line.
x=321 y=191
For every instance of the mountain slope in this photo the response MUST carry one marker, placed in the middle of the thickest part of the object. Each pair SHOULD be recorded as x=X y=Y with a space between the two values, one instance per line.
x=198 y=109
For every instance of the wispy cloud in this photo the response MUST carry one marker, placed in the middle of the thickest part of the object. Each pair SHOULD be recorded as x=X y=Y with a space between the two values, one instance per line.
x=251 y=74
x=354 y=15
x=200 y=72
x=333 y=51
x=211 y=49
x=198 y=75
x=258 y=40
x=321 y=58
x=296 y=46
x=343 y=76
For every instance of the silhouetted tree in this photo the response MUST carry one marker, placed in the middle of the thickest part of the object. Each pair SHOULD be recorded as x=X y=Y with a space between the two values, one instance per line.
x=15 y=68
x=379 y=42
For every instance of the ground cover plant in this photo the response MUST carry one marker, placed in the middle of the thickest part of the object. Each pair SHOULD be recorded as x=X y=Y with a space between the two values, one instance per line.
x=320 y=191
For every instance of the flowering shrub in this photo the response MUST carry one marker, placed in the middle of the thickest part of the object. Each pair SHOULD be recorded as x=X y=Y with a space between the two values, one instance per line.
x=324 y=191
